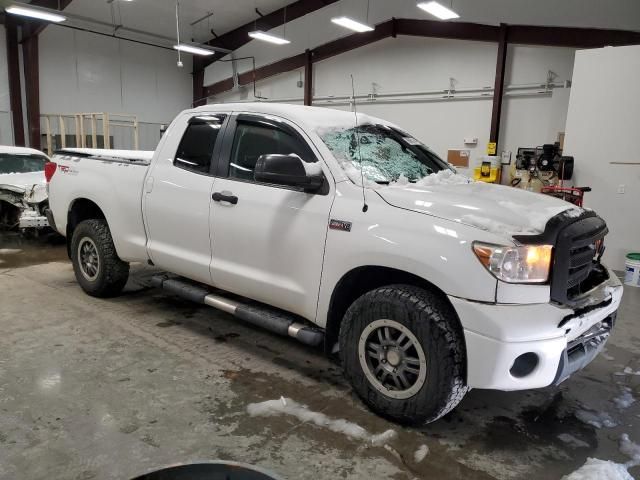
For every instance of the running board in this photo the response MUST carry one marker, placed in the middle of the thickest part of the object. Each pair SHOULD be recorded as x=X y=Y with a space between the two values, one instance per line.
x=277 y=321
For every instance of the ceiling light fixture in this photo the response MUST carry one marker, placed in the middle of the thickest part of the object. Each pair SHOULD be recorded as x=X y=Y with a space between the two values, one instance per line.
x=438 y=10
x=34 y=13
x=182 y=47
x=267 y=37
x=352 y=24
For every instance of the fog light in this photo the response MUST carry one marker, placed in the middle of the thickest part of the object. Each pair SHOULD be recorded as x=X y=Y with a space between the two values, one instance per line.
x=524 y=365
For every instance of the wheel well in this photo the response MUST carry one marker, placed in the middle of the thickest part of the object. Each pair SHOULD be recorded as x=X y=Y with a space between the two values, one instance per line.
x=361 y=280
x=81 y=209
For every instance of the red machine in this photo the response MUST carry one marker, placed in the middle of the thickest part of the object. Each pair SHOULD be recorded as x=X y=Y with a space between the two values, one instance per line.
x=574 y=195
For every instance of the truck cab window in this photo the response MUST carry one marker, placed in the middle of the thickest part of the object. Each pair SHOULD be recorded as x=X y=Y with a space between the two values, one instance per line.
x=196 y=147
x=252 y=140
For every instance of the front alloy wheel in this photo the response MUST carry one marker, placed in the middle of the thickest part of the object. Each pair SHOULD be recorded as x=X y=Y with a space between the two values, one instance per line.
x=392 y=359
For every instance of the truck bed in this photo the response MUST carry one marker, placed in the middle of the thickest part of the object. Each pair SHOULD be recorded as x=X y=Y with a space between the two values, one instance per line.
x=142 y=157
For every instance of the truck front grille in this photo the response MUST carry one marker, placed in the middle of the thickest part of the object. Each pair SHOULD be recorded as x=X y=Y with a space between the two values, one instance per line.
x=575 y=269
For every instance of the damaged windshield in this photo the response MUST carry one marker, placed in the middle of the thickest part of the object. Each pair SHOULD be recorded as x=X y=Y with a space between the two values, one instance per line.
x=13 y=163
x=384 y=154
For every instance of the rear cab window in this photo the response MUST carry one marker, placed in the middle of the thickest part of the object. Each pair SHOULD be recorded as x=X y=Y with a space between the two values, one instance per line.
x=196 y=148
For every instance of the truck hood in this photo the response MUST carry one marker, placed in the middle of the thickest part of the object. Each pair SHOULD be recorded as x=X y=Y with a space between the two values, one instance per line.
x=24 y=180
x=20 y=188
x=498 y=209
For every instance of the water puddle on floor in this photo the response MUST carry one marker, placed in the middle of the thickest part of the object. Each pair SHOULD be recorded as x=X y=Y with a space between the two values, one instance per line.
x=17 y=250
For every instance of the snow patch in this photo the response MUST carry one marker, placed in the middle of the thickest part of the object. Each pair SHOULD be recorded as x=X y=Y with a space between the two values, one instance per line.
x=443 y=177
x=625 y=400
x=494 y=226
x=574 y=212
x=630 y=449
x=596 y=419
x=9 y=251
x=572 y=441
x=287 y=406
x=420 y=453
x=537 y=218
x=595 y=469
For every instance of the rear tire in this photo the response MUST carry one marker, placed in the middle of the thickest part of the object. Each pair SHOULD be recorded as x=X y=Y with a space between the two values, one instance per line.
x=403 y=351
x=98 y=269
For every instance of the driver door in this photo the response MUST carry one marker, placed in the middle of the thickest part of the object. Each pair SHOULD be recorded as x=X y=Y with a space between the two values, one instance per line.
x=269 y=244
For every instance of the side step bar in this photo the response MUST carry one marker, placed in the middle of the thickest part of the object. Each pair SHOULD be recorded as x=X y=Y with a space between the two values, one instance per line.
x=268 y=318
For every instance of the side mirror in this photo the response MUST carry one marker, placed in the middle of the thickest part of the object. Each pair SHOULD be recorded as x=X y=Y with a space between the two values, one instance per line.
x=289 y=170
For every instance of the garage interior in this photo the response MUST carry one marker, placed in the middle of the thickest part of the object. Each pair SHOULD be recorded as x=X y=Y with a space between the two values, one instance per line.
x=537 y=96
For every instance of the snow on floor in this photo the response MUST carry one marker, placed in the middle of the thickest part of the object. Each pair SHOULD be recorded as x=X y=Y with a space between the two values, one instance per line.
x=595 y=469
x=286 y=406
x=595 y=419
x=9 y=251
x=630 y=449
x=420 y=453
x=572 y=441
x=625 y=400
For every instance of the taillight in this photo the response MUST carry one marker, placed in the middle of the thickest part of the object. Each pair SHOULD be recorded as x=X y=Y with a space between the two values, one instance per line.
x=49 y=170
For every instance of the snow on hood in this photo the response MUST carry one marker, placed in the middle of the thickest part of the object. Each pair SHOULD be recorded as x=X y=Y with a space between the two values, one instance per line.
x=495 y=208
x=23 y=180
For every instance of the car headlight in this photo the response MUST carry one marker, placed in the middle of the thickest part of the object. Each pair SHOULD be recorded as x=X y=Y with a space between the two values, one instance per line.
x=524 y=264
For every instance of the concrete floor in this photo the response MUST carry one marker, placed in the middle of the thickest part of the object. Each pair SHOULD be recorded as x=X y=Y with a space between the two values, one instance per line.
x=110 y=389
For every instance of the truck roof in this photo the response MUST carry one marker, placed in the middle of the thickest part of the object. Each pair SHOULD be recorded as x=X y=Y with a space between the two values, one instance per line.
x=306 y=117
x=21 y=150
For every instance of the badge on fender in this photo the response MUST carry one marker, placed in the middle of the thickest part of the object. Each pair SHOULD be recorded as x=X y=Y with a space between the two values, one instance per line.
x=339 y=225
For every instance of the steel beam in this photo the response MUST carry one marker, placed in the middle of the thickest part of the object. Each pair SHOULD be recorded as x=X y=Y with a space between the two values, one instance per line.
x=498 y=86
x=32 y=88
x=308 y=78
x=240 y=36
x=15 y=97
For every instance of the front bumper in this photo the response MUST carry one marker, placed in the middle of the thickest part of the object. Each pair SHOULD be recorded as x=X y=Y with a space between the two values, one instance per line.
x=32 y=219
x=560 y=339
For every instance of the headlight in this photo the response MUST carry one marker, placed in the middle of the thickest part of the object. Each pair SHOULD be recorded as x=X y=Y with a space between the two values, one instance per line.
x=526 y=264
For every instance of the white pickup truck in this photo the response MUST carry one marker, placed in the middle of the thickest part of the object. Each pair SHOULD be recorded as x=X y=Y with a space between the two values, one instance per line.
x=353 y=235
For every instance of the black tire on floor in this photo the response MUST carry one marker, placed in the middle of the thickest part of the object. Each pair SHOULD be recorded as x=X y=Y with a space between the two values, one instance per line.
x=112 y=273
x=434 y=324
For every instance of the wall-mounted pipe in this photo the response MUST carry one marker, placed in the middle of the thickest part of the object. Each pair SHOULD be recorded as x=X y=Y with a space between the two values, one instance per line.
x=514 y=90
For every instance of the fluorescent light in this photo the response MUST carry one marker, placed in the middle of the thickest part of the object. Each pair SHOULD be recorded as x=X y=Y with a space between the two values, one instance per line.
x=191 y=49
x=437 y=10
x=351 y=24
x=267 y=37
x=33 y=13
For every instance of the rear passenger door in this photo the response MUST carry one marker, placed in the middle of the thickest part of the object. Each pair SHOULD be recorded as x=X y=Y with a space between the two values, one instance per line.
x=268 y=240
x=177 y=196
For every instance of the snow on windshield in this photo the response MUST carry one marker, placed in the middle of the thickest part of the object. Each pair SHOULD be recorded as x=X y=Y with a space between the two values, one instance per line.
x=383 y=155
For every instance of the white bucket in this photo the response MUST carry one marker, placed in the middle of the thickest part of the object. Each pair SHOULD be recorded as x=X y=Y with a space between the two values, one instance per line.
x=632 y=270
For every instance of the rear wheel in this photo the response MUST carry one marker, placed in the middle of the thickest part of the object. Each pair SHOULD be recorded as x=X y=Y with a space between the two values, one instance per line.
x=98 y=269
x=403 y=352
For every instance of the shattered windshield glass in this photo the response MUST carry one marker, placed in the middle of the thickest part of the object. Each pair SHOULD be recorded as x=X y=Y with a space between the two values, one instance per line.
x=384 y=153
x=12 y=163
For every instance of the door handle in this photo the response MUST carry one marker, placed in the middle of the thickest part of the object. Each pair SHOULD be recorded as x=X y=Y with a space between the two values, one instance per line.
x=224 y=197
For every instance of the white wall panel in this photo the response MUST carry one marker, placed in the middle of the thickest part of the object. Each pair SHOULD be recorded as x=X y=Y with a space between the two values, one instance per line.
x=419 y=64
x=83 y=72
x=602 y=127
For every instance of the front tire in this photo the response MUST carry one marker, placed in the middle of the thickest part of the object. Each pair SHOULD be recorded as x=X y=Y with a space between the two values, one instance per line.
x=97 y=267
x=403 y=352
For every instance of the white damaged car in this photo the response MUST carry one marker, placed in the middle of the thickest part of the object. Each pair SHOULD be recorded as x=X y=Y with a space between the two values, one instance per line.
x=23 y=191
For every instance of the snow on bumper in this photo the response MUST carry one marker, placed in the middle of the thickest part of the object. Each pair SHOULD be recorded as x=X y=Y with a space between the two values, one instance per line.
x=498 y=334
